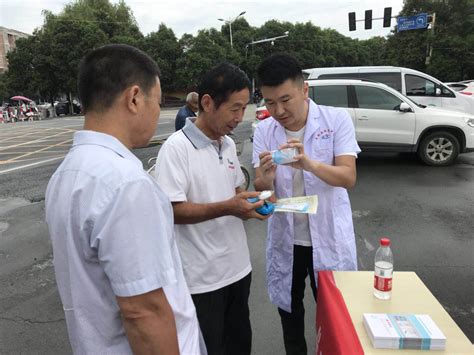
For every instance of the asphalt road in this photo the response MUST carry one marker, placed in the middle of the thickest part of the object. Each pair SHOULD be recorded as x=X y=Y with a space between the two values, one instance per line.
x=427 y=212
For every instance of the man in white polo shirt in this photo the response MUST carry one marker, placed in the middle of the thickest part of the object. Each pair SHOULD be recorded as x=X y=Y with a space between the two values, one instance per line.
x=117 y=266
x=199 y=170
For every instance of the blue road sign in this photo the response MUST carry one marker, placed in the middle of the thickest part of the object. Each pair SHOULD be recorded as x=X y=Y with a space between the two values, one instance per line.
x=405 y=23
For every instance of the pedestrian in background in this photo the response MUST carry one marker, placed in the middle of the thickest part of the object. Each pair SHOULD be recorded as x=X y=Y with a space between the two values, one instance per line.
x=188 y=110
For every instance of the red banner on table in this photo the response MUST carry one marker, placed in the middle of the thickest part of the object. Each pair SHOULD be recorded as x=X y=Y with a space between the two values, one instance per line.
x=336 y=334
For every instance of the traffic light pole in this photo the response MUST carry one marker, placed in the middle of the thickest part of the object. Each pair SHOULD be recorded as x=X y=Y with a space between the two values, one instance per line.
x=429 y=48
x=387 y=17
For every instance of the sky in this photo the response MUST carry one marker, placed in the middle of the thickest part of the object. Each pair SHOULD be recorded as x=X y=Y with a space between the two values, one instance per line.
x=191 y=16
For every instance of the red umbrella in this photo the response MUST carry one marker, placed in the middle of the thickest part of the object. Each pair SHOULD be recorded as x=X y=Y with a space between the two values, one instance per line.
x=20 y=98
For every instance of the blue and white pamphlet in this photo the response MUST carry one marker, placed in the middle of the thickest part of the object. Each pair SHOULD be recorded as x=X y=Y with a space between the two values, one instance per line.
x=403 y=331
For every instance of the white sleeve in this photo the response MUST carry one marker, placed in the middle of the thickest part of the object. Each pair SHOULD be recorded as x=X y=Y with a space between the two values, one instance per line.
x=171 y=171
x=345 y=142
x=259 y=145
x=134 y=239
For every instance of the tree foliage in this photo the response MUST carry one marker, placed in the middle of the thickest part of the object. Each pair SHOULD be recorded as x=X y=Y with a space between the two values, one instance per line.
x=452 y=40
x=45 y=64
x=164 y=48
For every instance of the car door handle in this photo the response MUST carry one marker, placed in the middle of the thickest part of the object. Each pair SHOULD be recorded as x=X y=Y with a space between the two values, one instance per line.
x=363 y=118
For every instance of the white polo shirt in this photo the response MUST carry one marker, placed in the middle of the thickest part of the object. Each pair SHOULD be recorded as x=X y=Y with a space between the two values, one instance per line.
x=190 y=167
x=112 y=233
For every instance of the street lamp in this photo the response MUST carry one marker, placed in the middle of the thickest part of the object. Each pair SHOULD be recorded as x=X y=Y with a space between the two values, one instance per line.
x=229 y=21
x=272 y=40
x=266 y=40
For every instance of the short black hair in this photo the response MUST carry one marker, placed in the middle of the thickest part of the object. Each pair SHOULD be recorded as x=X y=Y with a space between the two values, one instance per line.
x=221 y=81
x=107 y=71
x=277 y=69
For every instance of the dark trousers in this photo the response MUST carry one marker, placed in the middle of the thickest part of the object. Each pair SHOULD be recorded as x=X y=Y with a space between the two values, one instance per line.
x=224 y=318
x=293 y=323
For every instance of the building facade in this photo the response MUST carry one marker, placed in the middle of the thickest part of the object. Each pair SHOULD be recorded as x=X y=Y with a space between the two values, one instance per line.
x=8 y=38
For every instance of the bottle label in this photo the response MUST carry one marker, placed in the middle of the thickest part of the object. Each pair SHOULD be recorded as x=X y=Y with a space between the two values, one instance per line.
x=383 y=284
x=284 y=156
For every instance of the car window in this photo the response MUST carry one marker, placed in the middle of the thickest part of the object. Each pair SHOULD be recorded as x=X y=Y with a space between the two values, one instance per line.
x=329 y=95
x=339 y=76
x=418 y=86
x=445 y=92
x=457 y=87
x=393 y=80
x=375 y=98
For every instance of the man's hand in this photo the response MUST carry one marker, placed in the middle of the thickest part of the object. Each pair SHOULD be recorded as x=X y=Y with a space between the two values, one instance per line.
x=265 y=173
x=341 y=174
x=240 y=206
x=303 y=161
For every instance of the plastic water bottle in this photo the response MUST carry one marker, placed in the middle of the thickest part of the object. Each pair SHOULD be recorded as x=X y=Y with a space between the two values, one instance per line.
x=383 y=270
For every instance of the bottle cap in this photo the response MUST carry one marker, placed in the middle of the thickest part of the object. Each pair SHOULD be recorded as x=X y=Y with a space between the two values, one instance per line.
x=385 y=242
x=265 y=194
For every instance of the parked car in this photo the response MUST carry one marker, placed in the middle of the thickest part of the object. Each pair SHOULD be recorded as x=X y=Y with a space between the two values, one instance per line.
x=386 y=120
x=63 y=108
x=463 y=87
x=261 y=113
x=420 y=87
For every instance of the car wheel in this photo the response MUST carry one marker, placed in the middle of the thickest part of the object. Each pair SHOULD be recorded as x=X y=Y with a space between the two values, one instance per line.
x=439 y=149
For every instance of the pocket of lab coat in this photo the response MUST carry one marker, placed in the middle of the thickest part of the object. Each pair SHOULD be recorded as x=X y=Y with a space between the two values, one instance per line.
x=323 y=151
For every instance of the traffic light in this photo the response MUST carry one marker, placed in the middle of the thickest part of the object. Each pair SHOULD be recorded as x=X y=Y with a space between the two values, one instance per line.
x=387 y=16
x=352 y=21
x=368 y=19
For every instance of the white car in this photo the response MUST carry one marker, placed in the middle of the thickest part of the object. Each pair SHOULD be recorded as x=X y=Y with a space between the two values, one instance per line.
x=463 y=87
x=420 y=87
x=261 y=113
x=386 y=120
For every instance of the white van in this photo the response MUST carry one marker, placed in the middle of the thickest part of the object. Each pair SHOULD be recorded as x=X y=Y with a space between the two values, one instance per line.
x=420 y=87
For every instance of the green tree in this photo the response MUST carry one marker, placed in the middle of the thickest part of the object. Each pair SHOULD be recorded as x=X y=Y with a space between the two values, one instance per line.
x=164 y=48
x=452 y=40
x=46 y=63
x=64 y=42
x=22 y=78
x=4 y=89
x=114 y=20
x=200 y=53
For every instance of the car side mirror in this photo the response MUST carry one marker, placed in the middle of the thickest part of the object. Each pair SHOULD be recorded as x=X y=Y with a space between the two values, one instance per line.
x=404 y=107
x=438 y=92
